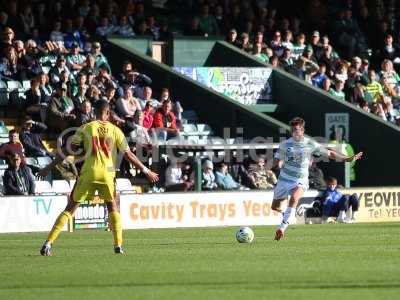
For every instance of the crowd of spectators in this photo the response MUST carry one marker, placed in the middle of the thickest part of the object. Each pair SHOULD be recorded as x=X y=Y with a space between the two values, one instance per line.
x=347 y=48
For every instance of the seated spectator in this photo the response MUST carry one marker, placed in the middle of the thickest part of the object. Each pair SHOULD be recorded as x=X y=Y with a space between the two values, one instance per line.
x=245 y=44
x=286 y=61
x=13 y=146
x=316 y=177
x=18 y=179
x=9 y=66
x=207 y=176
x=105 y=28
x=124 y=28
x=258 y=53
x=176 y=105
x=99 y=57
x=194 y=28
x=164 y=122
x=304 y=68
x=127 y=105
x=139 y=133
x=240 y=173
x=56 y=35
x=335 y=204
x=207 y=22
x=261 y=177
x=299 y=46
x=60 y=115
x=232 y=38
x=147 y=93
x=374 y=91
x=32 y=140
x=148 y=113
x=85 y=114
x=66 y=170
x=337 y=90
x=55 y=72
x=46 y=90
x=320 y=76
x=75 y=60
x=224 y=180
x=36 y=101
x=174 y=179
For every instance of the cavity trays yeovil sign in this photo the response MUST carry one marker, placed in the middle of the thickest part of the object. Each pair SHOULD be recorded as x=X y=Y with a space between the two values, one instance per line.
x=197 y=210
x=246 y=85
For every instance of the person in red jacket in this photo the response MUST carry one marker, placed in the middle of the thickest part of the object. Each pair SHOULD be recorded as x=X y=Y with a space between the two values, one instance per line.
x=148 y=113
x=164 y=122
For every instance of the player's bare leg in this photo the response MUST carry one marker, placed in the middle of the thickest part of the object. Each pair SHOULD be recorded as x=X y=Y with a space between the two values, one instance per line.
x=277 y=204
x=289 y=213
x=59 y=224
x=116 y=228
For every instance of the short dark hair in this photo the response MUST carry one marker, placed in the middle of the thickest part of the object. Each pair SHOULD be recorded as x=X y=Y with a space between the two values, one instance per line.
x=297 y=121
x=100 y=106
x=12 y=131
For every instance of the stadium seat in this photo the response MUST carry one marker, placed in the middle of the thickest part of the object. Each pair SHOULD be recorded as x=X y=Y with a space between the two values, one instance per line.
x=31 y=161
x=190 y=116
x=43 y=187
x=43 y=160
x=204 y=129
x=3 y=131
x=4 y=140
x=26 y=85
x=61 y=186
x=3 y=94
x=190 y=129
x=123 y=184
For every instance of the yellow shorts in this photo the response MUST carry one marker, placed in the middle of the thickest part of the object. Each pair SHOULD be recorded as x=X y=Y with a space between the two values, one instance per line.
x=85 y=191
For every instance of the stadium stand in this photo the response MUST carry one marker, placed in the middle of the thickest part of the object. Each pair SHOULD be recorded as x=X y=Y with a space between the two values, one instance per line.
x=336 y=54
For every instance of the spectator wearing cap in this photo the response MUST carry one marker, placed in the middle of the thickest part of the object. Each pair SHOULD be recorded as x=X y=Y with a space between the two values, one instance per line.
x=100 y=59
x=164 y=122
x=18 y=179
x=31 y=138
x=316 y=44
x=55 y=72
x=14 y=145
x=337 y=90
x=309 y=54
x=60 y=115
x=75 y=60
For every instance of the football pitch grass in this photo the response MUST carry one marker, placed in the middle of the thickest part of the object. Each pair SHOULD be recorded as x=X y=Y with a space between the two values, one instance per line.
x=332 y=261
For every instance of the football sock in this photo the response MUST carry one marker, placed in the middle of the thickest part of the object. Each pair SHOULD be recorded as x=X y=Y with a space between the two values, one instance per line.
x=58 y=226
x=287 y=216
x=342 y=215
x=116 y=228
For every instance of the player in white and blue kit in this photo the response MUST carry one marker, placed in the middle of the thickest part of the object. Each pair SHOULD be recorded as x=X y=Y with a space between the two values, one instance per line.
x=294 y=158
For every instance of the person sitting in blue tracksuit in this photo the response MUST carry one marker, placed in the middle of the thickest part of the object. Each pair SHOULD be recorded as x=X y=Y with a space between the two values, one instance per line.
x=335 y=204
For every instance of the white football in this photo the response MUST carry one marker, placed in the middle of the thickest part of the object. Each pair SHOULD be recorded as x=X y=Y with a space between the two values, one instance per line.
x=245 y=235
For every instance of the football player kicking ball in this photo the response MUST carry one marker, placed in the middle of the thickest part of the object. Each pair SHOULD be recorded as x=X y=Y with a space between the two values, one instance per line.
x=100 y=140
x=293 y=159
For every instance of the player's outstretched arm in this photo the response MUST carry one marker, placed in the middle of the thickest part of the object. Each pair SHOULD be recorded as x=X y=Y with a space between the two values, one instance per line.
x=340 y=157
x=132 y=158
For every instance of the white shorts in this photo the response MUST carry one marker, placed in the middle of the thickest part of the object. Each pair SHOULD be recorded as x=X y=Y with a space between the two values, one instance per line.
x=284 y=189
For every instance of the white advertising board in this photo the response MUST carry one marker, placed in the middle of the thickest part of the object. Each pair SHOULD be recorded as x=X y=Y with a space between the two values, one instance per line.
x=171 y=210
x=30 y=214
